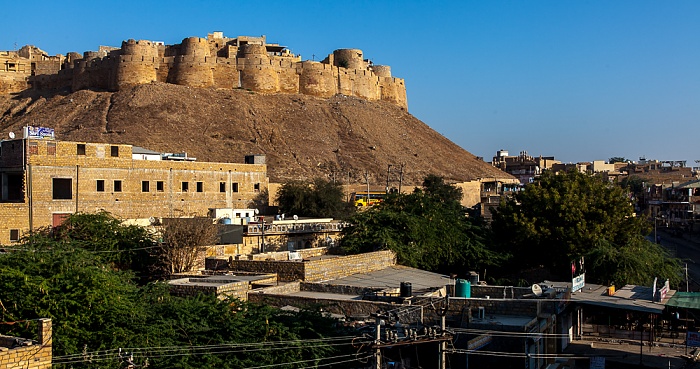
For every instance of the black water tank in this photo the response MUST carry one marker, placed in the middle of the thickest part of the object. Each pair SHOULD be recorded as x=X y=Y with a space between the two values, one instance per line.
x=406 y=289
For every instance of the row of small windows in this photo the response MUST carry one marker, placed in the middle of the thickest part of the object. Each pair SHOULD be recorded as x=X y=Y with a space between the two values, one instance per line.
x=185 y=186
x=113 y=150
x=63 y=187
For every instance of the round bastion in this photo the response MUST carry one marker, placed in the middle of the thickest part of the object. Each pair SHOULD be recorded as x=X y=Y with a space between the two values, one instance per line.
x=195 y=46
x=381 y=70
x=317 y=79
x=348 y=58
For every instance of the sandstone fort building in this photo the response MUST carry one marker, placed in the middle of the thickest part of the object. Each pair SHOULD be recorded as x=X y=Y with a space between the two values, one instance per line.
x=216 y=61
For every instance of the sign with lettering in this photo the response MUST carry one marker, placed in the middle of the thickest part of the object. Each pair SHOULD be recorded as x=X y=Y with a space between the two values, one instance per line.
x=578 y=282
x=41 y=133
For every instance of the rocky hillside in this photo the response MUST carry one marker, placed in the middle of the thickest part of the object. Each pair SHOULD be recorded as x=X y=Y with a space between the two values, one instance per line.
x=302 y=136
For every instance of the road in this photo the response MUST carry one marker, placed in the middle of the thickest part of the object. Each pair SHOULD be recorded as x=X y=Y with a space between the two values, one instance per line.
x=688 y=250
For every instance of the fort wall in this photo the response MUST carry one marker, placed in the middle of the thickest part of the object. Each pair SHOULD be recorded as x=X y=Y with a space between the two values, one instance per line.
x=215 y=61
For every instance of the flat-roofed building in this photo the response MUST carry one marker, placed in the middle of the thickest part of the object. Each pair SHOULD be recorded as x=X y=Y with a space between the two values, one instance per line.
x=43 y=180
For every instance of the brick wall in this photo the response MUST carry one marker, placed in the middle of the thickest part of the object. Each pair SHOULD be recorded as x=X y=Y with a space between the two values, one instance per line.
x=126 y=199
x=234 y=288
x=316 y=270
x=327 y=269
x=36 y=356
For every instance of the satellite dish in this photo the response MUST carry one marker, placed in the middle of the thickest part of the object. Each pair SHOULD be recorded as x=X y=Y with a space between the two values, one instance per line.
x=152 y=220
x=256 y=211
x=12 y=135
x=295 y=217
x=536 y=290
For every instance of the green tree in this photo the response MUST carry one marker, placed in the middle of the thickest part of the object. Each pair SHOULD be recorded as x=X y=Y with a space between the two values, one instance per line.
x=321 y=198
x=125 y=247
x=424 y=229
x=92 y=305
x=562 y=217
x=617 y=159
x=97 y=308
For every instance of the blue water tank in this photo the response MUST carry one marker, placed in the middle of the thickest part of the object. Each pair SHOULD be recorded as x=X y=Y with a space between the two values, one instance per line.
x=463 y=288
x=225 y=220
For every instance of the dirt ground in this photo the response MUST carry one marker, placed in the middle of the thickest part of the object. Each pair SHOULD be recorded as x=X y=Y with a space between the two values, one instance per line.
x=340 y=138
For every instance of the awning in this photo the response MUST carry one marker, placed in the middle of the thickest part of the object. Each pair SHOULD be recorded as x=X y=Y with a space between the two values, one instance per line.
x=688 y=300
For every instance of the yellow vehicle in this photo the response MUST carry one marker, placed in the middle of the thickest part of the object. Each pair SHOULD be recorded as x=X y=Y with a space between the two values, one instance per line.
x=367 y=198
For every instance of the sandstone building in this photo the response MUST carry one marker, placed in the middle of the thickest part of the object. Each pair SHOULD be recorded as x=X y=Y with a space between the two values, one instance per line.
x=21 y=353
x=42 y=181
x=217 y=61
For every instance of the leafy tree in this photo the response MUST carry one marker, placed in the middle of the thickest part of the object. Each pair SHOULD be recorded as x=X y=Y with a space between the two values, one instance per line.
x=97 y=308
x=125 y=247
x=321 y=198
x=617 y=159
x=562 y=217
x=90 y=305
x=435 y=187
x=425 y=229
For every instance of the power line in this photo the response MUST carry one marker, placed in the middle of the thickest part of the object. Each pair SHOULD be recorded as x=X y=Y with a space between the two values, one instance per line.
x=161 y=352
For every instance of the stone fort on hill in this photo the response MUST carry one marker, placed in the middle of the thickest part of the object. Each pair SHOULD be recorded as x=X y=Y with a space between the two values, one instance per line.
x=243 y=62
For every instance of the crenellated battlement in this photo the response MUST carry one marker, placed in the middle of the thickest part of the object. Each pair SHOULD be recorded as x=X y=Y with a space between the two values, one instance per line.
x=216 y=61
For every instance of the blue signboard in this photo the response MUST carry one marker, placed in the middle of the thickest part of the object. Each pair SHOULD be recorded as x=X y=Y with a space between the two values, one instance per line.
x=41 y=133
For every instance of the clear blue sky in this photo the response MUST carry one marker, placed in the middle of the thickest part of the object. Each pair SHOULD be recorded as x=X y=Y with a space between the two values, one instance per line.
x=578 y=80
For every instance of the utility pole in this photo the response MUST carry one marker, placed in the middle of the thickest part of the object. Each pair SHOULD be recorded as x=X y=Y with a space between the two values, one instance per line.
x=377 y=338
x=388 y=171
x=686 y=278
x=367 y=180
x=443 y=344
x=401 y=176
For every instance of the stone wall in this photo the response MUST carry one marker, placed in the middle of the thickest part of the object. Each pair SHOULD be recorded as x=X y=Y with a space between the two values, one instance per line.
x=219 y=288
x=460 y=309
x=345 y=307
x=122 y=182
x=212 y=62
x=334 y=268
x=38 y=355
x=287 y=271
x=338 y=289
x=315 y=270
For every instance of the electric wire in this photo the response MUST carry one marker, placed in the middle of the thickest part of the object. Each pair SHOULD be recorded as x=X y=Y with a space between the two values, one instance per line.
x=301 y=361
x=197 y=350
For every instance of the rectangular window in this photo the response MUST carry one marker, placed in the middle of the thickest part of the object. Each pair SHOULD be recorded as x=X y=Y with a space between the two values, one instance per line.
x=51 y=148
x=14 y=235
x=200 y=186
x=185 y=187
x=222 y=186
x=114 y=151
x=145 y=186
x=100 y=185
x=256 y=187
x=81 y=149
x=159 y=186
x=33 y=148
x=117 y=186
x=234 y=187
x=62 y=188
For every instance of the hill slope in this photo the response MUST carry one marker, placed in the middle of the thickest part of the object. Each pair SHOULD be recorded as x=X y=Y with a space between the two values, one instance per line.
x=302 y=136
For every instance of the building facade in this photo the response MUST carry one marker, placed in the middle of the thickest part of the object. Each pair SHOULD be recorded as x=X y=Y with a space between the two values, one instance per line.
x=43 y=181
